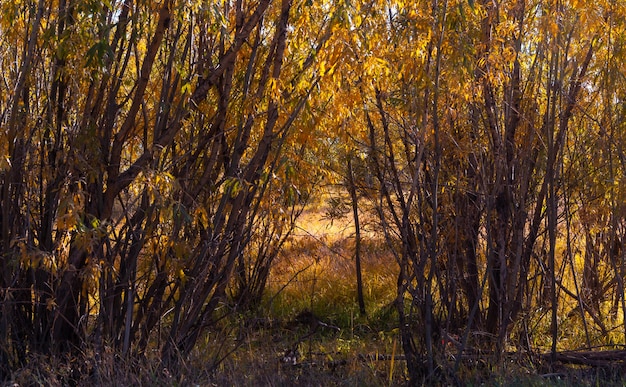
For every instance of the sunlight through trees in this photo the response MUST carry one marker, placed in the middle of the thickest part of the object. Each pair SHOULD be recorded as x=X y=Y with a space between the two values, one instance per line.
x=155 y=157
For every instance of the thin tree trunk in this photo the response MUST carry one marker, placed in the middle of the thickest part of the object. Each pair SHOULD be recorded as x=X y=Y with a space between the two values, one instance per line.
x=357 y=235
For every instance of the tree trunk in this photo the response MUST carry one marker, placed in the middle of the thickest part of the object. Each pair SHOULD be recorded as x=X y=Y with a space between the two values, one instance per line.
x=357 y=236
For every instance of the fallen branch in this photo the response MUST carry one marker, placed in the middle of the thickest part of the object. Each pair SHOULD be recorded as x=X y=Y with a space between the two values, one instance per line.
x=589 y=358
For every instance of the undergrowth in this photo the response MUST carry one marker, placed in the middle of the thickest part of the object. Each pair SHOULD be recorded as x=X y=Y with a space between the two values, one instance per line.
x=274 y=345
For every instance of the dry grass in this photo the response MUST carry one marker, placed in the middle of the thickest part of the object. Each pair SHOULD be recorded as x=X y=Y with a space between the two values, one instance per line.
x=315 y=272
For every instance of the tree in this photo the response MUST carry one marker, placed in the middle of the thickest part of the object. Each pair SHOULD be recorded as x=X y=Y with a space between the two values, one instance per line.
x=141 y=156
x=468 y=109
x=154 y=158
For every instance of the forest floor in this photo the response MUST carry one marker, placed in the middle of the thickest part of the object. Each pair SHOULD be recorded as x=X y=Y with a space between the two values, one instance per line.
x=316 y=276
x=308 y=332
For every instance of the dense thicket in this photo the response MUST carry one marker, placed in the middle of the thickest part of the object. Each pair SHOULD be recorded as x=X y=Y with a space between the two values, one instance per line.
x=153 y=159
x=491 y=137
x=149 y=153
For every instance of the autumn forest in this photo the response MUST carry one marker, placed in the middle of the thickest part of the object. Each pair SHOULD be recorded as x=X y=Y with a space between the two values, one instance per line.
x=159 y=160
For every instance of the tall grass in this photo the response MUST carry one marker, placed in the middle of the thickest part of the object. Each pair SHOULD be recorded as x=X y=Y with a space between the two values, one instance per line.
x=315 y=272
